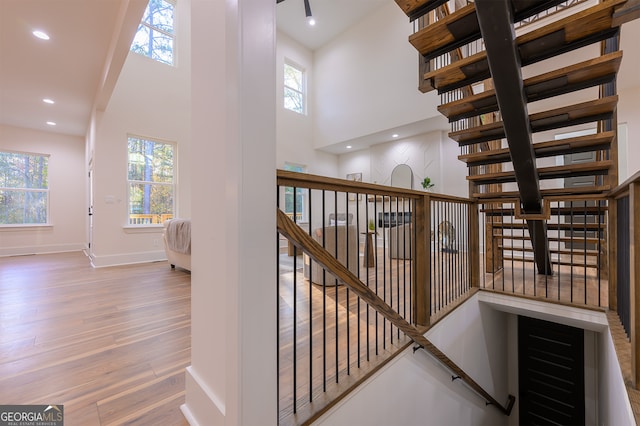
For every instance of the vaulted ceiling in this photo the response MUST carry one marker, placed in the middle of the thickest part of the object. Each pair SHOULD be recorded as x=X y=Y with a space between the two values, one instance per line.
x=89 y=40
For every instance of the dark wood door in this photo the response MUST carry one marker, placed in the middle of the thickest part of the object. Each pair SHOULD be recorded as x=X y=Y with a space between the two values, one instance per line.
x=551 y=373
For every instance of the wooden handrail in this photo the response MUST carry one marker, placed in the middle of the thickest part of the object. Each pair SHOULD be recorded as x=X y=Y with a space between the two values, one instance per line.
x=307 y=180
x=317 y=253
x=624 y=186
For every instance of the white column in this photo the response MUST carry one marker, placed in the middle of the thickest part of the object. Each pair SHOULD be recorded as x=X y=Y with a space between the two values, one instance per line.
x=232 y=377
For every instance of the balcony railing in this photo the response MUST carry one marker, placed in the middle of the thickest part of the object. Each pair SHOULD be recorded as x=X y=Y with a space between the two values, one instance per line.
x=577 y=238
x=624 y=258
x=148 y=219
x=410 y=248
x=422 y=254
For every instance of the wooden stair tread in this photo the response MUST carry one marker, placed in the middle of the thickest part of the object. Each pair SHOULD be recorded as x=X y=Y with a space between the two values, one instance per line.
x=448 y=33
x=576 y=227
x=596 y=189
x=555 y=211
x=552 y=172
x=574 y=31
x=543 y=149
x=576 y=253
x=414 y=9
x=569 y=252
x=584 y=112
x=562 y=262
x=564 y=80
x=417 y=8
x=561 y=239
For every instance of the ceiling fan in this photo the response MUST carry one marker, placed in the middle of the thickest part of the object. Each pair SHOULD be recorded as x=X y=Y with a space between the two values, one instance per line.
x=307 y=11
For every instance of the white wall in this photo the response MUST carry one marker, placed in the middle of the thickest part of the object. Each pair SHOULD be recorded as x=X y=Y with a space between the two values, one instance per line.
x=414 y=388
x=367 y=78
x=295 y=131
x=67 y=193
x=629 y=114
x=152 y=100
x=614 y=407
x=429 y=154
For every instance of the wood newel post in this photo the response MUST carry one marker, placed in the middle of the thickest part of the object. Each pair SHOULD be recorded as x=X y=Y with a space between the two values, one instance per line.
x=422 y=261
x=634 y=279
x=474 y=245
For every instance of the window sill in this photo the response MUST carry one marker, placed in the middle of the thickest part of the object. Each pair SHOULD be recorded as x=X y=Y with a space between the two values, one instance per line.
x=34 y=227
x=142 y=229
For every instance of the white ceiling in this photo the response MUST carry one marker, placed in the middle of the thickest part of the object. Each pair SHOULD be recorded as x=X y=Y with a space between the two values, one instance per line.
x=76 y=67
x=90 y=39
x=332 y=18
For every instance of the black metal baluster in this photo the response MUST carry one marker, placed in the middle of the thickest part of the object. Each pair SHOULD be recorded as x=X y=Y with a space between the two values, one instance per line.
x=359 y=277
x=335 y=228
x=571 y=248
x=324 y=299
x=347 y=288
x=585 y=251
x=559 y=252
x=295 y=318
x=310 y=305
x=278 y=340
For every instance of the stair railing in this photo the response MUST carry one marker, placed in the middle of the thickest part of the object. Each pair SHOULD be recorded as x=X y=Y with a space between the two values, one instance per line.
x=413 y=250
x=578 y=239
x=624 y=258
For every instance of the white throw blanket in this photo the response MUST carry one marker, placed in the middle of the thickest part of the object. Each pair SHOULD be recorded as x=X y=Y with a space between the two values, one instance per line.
x=179 y=235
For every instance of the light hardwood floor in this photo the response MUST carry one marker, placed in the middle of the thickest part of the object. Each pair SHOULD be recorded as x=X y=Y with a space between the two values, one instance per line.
x=110 y=344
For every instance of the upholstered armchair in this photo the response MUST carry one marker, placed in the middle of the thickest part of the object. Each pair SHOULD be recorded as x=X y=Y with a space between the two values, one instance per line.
x=344 y=236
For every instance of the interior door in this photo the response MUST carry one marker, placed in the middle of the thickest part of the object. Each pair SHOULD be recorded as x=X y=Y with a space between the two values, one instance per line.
x=551 y=373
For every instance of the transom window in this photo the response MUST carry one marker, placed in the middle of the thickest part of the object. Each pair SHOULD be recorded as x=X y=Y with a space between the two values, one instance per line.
x=151 y=180
x=294 y=88
x=24 y=189
x=156 y=37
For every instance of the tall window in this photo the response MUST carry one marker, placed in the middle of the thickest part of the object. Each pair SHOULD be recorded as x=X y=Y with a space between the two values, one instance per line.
x=155 y=37
x=24 y=188
x=151 y=181
x=294 y=88
x=295 y=203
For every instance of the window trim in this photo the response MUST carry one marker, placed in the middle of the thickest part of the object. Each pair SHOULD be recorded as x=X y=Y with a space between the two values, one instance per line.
x=163 y=32
x=174 y=184
x=48 y=223
x=303 y=93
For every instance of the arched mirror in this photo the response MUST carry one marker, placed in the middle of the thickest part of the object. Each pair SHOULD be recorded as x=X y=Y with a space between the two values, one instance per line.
x=402 y=177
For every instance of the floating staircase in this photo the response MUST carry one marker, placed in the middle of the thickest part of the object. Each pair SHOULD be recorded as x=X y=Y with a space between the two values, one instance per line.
x=531 y=212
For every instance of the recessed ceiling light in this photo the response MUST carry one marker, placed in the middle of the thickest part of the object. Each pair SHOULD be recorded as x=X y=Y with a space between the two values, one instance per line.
x=41 y=35
x=348 y=146
x=395 y=135
x=51 y=123
x=48 y=101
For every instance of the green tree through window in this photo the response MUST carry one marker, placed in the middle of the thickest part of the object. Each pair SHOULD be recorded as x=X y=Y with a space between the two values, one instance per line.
x=155 y=36
x=294 y=89
x=24 y=188
x=151 y=181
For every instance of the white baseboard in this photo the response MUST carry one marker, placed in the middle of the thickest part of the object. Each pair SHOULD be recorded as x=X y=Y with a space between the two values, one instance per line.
x=99 y=261
x=201 y=407
x=42 y=249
